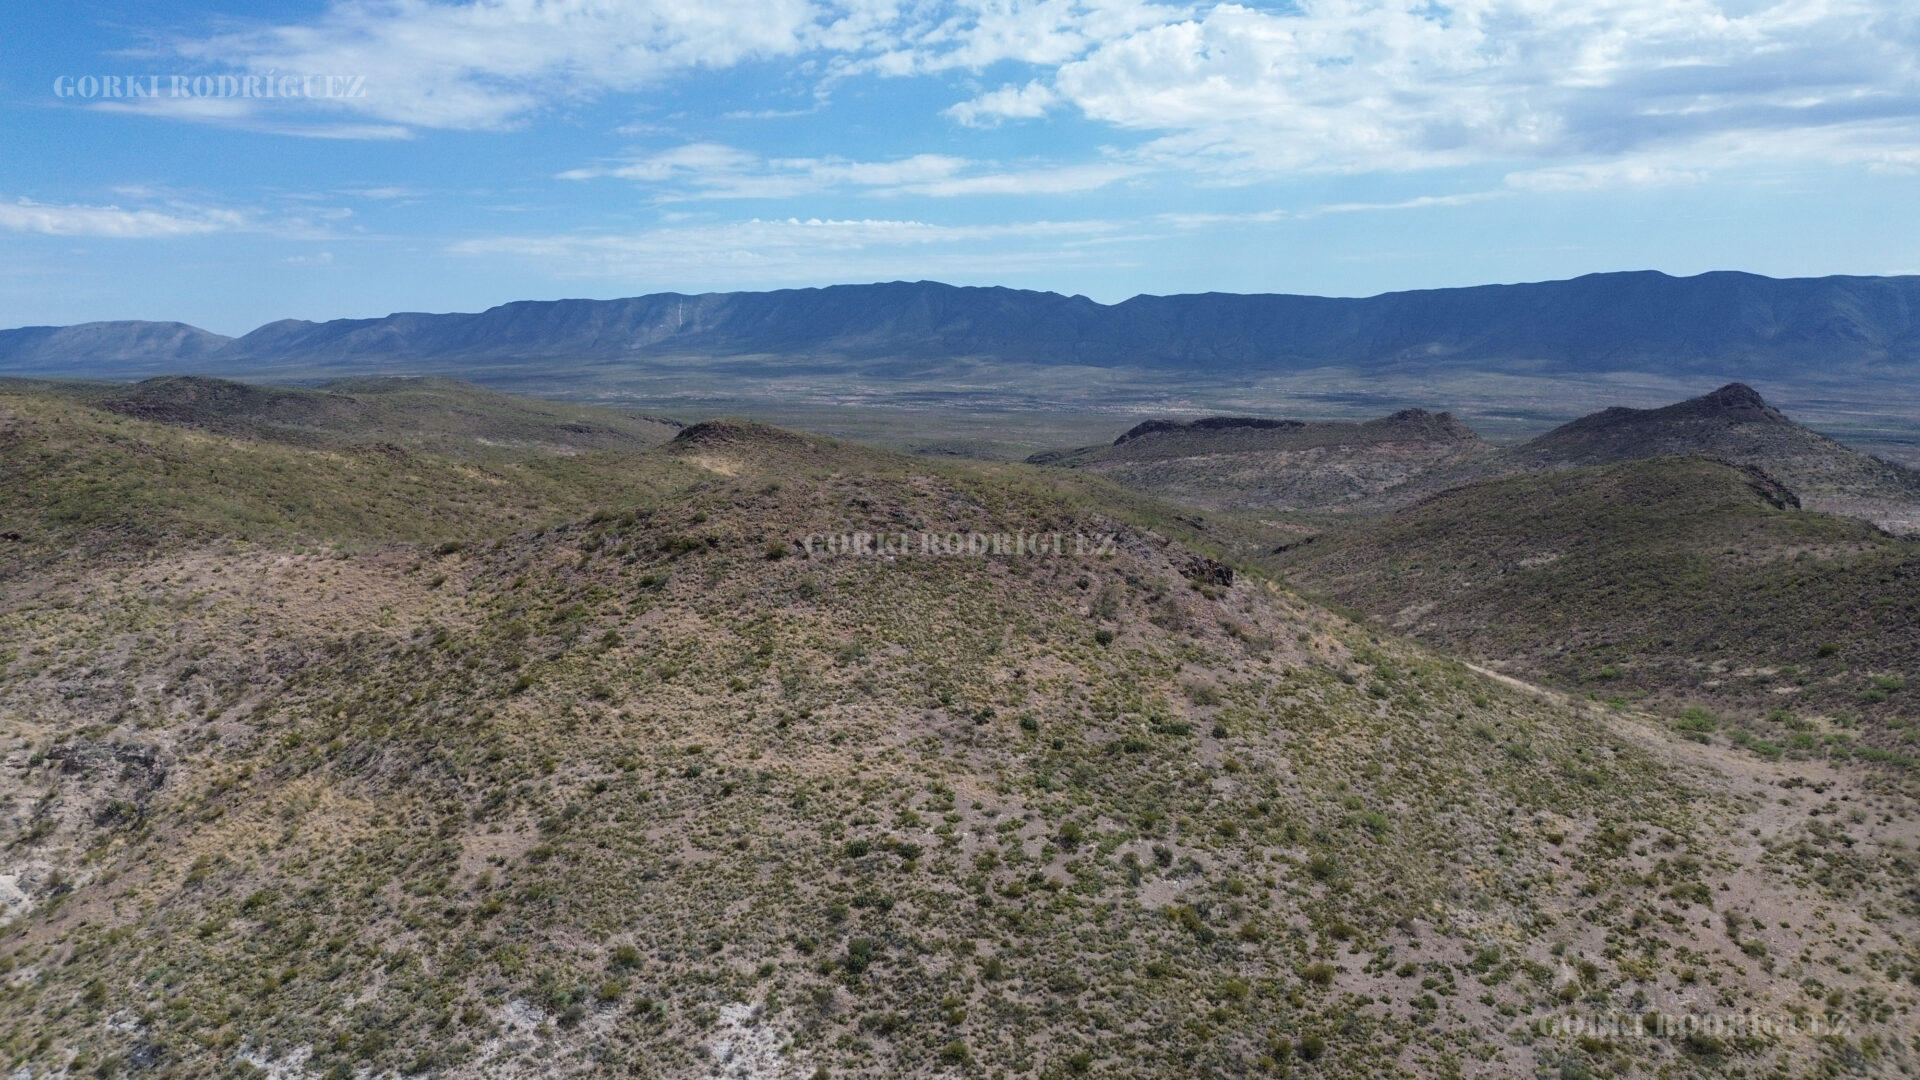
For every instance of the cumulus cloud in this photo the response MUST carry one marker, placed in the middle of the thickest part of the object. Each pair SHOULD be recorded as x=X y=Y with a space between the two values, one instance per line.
x=491 y=64
x=1351 y=85
x=1231 y=90
x=1007 y=103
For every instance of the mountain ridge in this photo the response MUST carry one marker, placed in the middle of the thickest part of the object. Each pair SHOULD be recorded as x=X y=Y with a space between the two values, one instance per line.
x=1639 y=320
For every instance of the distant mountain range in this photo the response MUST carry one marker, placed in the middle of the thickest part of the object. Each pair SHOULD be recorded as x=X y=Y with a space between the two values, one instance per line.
x=1642 y=321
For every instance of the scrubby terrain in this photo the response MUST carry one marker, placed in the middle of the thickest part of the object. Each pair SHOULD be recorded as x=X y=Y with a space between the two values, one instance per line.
x=1682 y=581
x=1387 y=464
x=1734 y=423
x=1245 y=463
x=416 y=412
x=358 y=760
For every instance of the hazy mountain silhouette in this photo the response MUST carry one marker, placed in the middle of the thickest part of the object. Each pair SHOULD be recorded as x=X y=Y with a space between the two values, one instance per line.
x=107 y=349
x=1601 y=322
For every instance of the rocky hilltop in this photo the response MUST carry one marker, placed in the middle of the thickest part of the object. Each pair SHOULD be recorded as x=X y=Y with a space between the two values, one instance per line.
x=1734 y=423
x=1395 y=461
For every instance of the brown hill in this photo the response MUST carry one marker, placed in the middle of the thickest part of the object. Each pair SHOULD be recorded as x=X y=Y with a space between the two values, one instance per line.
x=444 y=415
x=655 y=791
x=1682 y=580
x=1227 y=463
x=1734 y=423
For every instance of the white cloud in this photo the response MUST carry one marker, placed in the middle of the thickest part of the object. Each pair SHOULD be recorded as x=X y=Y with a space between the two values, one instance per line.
x=976 y=34
x=715 y=171
x=492 y=64
x=1007 y=103
x=1353 y=85
x=167 y=215
x=1632 y=172
x=811 y=249
x=696 y=161
x=248 y=115
x=1232 y=91
x=1064 y=180
x=1187 y=220
x=1420 y=202
x=56 y=219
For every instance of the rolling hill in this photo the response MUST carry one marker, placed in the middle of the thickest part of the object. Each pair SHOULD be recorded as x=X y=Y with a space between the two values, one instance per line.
x=443 y=415
x=1393 y=462
x=1224 y=463
x=329 y=762
x=1694 y=582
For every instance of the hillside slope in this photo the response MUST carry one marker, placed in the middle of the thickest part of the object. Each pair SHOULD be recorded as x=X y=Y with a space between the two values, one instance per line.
x=679 y=787
x=1735 y=423
x=84 y=482
x=1695 y=581
x=1396 y=461
x=1225 y=463
x=442 y=415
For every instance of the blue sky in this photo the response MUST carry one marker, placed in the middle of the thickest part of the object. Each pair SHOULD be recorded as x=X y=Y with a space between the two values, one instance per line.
x=466 y=154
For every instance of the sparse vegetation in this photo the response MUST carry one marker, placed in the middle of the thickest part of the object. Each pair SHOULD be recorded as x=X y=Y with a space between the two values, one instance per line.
x=619 y=791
